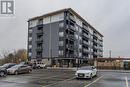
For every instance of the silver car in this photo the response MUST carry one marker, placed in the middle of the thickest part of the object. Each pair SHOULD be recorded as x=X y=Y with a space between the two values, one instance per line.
x=17 y=69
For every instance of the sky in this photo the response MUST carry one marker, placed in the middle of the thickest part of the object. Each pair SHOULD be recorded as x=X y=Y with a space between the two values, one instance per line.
x=110 y=17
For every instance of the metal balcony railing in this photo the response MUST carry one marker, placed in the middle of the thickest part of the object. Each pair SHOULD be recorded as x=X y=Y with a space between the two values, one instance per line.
x=85 y=35
x=39 y=49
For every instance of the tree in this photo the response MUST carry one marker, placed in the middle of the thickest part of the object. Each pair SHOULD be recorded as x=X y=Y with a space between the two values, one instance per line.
x=17 y=56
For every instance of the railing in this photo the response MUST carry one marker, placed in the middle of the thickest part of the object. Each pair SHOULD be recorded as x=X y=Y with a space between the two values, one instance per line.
x=85 y=35
x=86 y=50
x=72 y=18
x=84 y=42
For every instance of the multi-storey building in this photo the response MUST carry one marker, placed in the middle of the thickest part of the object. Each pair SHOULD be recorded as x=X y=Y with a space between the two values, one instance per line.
x=63 y=36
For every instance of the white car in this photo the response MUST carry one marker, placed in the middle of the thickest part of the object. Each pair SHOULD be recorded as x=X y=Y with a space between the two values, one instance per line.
x=86 y=72
x=41 y=65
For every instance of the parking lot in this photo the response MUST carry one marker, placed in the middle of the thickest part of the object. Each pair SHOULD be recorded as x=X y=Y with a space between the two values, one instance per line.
x=65 y=78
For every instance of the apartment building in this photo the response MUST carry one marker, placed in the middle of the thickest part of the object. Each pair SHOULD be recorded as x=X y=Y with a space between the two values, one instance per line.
x=63 y=37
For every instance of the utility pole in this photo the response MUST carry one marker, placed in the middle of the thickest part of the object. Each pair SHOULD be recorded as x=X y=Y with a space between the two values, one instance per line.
x=110 y=54
x=50 y=42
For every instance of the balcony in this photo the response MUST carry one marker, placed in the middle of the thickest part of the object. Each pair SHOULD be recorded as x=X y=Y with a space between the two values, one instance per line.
x=39 y=40
x=39 y=56
x=71 y=37
x=95 y=34
x=85 y=35
x=94 y=40
x=85 y=42
x=95 y=47
x=85 y=28
x=39 y=32
x=69 y=46
x=40 y=24
x=95 y=53
x=39 y=49
x=86 y=50
x=72 y=18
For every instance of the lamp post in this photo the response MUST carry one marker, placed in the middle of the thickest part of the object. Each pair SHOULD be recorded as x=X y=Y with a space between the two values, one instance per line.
x=110 y=54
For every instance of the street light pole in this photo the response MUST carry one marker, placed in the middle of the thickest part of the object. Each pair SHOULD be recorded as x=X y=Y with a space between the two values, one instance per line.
x=110 y=54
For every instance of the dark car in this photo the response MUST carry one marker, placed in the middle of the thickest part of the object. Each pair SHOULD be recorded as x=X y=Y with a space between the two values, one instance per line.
x=18 y=69
x=8 y=65
x=3 y=71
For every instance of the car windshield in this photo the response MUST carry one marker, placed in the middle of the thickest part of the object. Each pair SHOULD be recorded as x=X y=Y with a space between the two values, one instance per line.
x=85 y=68
x=5 y=65
x=16 y=66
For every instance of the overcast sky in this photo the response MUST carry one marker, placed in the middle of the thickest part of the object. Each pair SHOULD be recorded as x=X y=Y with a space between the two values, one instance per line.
x=110 y=17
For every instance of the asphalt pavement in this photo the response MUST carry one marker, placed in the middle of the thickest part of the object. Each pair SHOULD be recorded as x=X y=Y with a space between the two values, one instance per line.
x=65 y=78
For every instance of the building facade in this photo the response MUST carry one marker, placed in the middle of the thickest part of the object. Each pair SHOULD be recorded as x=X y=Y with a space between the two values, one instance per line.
x=63 y=36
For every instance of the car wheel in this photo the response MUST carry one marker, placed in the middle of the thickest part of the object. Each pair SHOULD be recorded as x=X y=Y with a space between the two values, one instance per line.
x=16 y=72
x=91 y=76
x=29 y=71
x=2 y=74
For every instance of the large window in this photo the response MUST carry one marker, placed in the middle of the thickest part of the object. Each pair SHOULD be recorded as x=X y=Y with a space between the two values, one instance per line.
x=60 y=43
x=60 y=52
x=61 y=25
x=61 y=34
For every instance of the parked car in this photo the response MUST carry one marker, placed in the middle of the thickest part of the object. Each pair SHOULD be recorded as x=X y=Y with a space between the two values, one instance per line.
x=40 y=65
x=3 y=71
x=18 y=69
x=8 y=65
x=86 y=72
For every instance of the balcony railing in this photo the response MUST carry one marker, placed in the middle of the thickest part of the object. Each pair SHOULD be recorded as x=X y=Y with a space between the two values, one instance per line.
x=39 y=56
x=85 y=35
x=95 y=34
x=86 y=50
x=96 y=53
x=95 y=47
x=85 y=27
x=86 y=43
x=95 y=41
x=39 y=49
x=72 y=18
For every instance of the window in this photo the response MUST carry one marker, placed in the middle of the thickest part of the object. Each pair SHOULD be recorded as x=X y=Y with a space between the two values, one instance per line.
x=30 y=46
x=60 y=52
x=30 y=54
x=30 y=38
x=60 y=43
x=61 y=34
x=80 y=54
x=80 y=46
x=30 y=30
x=61 y=25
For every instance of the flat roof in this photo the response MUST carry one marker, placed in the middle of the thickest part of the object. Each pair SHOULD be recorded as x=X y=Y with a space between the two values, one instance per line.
x=60 y=11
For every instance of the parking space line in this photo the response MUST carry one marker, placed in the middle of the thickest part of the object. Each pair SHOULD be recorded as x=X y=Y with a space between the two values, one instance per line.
x=93 y=81
x=126 y=81
x=58 y=82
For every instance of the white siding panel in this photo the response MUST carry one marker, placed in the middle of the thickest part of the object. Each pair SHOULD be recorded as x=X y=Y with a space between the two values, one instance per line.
x=57 y=17
x=46 y=20
x=33 y=23
x=54 y=18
